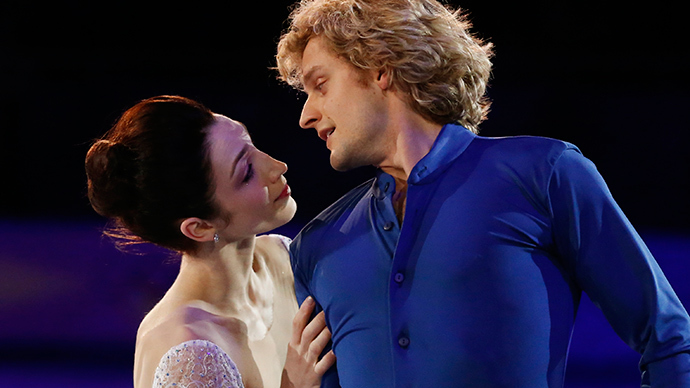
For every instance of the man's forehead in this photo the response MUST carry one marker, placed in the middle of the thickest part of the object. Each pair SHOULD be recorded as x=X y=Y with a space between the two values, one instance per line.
x=315 y=52
x=309 y=73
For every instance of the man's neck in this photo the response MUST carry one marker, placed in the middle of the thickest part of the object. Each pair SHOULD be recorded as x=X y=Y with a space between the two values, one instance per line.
x=414 y=138
x=411 y=138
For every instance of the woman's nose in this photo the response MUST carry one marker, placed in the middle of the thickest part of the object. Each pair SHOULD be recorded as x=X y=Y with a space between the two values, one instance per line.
x=278 y=168
x=282 y=166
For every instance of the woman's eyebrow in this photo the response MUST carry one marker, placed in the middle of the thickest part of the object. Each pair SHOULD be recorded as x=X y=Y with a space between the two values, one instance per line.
x=239 y=156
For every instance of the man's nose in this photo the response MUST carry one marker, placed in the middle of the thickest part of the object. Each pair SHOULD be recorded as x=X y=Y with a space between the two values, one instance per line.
x=310 y=114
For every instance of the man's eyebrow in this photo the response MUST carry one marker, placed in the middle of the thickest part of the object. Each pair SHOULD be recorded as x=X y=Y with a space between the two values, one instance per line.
x=307 y=78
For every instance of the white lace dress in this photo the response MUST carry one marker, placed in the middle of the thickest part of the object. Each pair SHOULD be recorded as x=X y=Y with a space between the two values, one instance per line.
x=197 y=363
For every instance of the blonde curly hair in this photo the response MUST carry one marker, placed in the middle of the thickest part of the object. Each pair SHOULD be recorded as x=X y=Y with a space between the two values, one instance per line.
x=425 y=47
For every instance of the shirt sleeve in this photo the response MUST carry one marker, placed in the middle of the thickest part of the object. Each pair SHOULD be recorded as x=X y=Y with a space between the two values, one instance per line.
x=197 y=363
x=302 y=270
x=299 y=270
x=611 y=263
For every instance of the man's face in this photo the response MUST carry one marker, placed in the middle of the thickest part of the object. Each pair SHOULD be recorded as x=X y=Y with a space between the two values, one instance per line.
x=345 y=106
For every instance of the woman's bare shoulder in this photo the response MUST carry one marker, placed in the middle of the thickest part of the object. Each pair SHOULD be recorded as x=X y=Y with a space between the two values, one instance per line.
x=189 y=321
x=274 y=248
x=276 y=241
x=163 y=330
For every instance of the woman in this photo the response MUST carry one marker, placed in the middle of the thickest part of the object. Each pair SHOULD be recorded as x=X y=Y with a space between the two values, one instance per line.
x=173 y=173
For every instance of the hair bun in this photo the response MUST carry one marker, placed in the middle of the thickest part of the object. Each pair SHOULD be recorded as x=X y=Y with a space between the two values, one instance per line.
x=111 y=169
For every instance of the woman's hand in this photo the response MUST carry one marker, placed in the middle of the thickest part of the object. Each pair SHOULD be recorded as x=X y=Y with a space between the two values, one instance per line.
x=302 y=367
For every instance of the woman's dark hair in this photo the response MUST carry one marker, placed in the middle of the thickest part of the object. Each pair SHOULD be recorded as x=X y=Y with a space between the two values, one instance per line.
x=151 y=170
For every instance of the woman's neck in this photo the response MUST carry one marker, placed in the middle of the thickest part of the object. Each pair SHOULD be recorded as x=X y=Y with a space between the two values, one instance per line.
x=233 y=280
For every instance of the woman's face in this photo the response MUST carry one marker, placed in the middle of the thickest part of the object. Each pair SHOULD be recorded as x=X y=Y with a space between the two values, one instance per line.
x=250 y=185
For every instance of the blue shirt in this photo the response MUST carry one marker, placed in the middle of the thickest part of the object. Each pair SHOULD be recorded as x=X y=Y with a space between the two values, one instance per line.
x=480 y=285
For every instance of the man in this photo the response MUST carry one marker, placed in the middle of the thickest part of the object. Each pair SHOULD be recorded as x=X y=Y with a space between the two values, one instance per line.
x=463 y=261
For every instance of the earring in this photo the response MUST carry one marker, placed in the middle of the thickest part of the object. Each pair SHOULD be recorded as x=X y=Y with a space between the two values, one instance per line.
x=215 y=238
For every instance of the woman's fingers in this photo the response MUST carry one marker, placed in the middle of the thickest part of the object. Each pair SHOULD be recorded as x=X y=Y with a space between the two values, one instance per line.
x=313 y=329
x=325 y=363
x=303 y=368
x=318 y=344
x=301 y=319
x=310 y=338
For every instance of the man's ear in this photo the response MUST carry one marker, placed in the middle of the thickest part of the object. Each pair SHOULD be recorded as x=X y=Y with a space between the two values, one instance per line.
x=383 y=79
x=197 y=229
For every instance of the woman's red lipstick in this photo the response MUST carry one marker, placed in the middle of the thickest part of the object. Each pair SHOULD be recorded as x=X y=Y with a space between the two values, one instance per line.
x=285 y=193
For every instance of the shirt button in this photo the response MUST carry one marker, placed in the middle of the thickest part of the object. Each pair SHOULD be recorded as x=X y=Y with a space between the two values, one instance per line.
x=399 y=277
x=404 y=342
x=388 y=226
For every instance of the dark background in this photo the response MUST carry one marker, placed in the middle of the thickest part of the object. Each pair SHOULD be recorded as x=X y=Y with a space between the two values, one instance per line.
x=611 y=78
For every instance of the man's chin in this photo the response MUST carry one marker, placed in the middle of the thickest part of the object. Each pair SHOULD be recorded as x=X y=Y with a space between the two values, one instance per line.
x=342 y=165
x=339 y=168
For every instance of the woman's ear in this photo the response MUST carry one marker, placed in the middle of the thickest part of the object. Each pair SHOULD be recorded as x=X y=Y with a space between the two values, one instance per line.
x=197 y=229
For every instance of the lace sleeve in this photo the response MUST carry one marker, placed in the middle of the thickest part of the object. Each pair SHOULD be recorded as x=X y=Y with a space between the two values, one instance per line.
x=197 y=363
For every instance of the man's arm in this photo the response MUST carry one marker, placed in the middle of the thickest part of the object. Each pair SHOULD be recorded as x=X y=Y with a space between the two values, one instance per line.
x=610 y=262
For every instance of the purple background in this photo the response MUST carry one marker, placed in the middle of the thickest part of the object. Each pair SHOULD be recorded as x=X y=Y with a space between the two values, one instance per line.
x=611 y=79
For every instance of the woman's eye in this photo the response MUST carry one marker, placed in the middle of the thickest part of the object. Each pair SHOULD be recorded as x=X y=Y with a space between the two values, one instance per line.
x=249 y=174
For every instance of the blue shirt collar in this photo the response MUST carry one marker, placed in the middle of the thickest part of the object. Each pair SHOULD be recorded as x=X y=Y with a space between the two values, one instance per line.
x=448 y=146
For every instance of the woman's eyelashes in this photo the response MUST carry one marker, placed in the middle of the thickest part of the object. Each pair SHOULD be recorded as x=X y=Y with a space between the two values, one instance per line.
x=249 y=173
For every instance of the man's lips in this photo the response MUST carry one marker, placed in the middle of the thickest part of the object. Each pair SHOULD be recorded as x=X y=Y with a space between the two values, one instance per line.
x=325 y=133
